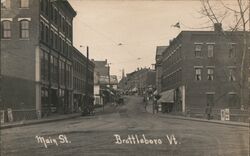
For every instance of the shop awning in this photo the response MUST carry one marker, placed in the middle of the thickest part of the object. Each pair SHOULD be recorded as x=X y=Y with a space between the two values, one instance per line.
x=167 y=96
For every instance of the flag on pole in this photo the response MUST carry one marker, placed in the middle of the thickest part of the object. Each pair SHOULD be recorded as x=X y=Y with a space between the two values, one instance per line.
x=177 y=25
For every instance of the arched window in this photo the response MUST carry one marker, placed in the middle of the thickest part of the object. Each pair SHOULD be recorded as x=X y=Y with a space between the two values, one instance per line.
x=24 y=29
x=6 y=29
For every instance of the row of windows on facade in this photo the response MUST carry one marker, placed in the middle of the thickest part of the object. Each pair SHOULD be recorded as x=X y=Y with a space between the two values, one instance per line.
x=24 y=28
x=210 y=74
x=176 y=76
x=56 y=41
x=79 y=84
x=232 y=98
x=210 y=51
x=57 y=18
x=60 y=71
x=79 y=69
x=176 y=55
x=64 y=98
x=6 y=4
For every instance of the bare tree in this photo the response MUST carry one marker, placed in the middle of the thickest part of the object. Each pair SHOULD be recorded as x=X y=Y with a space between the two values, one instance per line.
x=240 y=12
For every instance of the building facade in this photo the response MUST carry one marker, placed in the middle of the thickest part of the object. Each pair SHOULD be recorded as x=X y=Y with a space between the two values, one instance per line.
x=101 y=80
x=83 y=80
x=138 y=81
x=202 y=68
x=105 y=85
x=37 y=57
x=158 y=66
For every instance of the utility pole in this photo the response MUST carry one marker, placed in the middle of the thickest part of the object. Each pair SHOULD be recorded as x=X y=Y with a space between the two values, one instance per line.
x=1 y=66
x=87 y=81
x=109 y=81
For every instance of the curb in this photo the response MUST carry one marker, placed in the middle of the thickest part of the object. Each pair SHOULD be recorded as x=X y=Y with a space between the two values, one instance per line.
x=208 y=121
x=202 y=120
x=37 y=122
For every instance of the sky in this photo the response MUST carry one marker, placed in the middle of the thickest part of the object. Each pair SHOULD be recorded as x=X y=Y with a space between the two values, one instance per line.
x=126 y=32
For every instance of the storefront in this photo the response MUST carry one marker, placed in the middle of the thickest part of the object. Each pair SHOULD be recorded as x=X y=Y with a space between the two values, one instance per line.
x=166 y=101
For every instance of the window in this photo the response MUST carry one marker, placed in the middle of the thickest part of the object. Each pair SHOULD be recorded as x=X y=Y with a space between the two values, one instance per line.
x=54 y=40
x=197 y=51
x=63 y=24
x=232 y=51
x=42 y=34
x=5 y=4
x=66 y=49
x=44 y=97
x=46 y=66
x=46 y=7
x=24 y=29
x=6 y=29
x=55 y=69
x=51 y=38
x=42 y=65
x=210 y=74
x=62 y=46
x=70 y=32
x=24 y=3
x=197 y=74
x=46 y=34
x=42 y=5
x=55 y=15
x=62 y=72
x=232 y=74
x=210 y=51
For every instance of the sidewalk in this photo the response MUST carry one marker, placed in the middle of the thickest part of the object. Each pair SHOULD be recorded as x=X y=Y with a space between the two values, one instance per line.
x=51 y=118
x=165 y=115
x=107 y=108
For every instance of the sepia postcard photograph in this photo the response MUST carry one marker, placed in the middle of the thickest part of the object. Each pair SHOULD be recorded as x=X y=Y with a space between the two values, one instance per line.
x=125 y=78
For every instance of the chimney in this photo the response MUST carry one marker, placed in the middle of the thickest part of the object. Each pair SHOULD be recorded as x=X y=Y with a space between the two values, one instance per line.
x=217 y=27
x=170 y=41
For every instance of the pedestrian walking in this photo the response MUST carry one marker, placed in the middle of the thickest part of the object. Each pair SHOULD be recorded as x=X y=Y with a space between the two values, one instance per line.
x=146 y=102
x=208 y=112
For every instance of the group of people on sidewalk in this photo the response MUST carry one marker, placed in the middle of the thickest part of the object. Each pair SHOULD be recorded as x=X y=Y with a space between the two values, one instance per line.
x=153 y=98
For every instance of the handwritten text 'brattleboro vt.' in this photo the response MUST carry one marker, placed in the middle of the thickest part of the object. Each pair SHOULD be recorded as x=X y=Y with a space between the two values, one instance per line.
x=142 y=139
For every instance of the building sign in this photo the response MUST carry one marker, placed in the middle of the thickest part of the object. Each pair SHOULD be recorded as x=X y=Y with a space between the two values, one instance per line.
x=10 y=115
x=225 y=114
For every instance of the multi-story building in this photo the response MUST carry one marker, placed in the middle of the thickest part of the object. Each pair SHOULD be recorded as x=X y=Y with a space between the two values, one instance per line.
x=138 y=81
x=105 y=84
x=101 y=80
x=201 y=69
x=36 y=57
x=158 y=68
x=82 y=83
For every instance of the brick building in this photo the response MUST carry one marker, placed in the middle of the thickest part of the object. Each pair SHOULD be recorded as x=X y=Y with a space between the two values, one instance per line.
x=83 y=84
x=202 y=68
x=138 y=81
x=37 y=57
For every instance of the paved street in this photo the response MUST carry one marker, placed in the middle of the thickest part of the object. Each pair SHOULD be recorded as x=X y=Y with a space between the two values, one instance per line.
x=107 y=134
